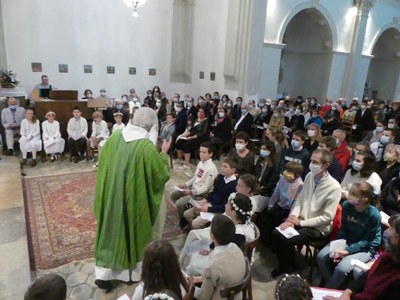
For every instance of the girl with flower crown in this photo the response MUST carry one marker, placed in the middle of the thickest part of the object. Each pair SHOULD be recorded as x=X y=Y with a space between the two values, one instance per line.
x=194 y=255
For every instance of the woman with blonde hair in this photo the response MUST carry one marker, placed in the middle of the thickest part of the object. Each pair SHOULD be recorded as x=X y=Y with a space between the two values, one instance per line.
x=314 y=137
x=277 y=120
x=391 y=158
x=53 y=142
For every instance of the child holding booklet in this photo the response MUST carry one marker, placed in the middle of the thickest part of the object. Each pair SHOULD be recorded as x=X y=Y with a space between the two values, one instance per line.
x=361 y=228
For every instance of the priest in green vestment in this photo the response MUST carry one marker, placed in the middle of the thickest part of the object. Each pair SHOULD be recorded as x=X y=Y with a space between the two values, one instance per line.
x=128 y=201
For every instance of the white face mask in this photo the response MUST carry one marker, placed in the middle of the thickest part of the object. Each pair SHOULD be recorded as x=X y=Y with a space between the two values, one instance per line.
x=178 y=109
x=158 y=104
x=276 y=115
x=311 y=133
x=103 y=94
x=315 y=169
x=221 y=114
x=391 y=125
x=239 y=146
x=298 y=111
x=357 y=165
x=134 y=99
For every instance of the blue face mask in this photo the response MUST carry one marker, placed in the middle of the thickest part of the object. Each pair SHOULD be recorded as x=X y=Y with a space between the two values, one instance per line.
x=384 y=139
x=295 y=145
x=13 y=107
x=386 y=240
x=119 y=106
x=264 y=153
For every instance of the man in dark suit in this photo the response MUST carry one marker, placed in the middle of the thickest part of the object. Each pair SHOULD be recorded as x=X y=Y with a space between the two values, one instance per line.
x=245 y=120
x=191 y=108
x=363 y=122
x=236 y=110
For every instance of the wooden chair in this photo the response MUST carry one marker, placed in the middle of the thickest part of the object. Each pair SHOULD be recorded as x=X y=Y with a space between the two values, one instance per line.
x=347 y=125
x=248 y=248
x=313 y=248
x=230 y=292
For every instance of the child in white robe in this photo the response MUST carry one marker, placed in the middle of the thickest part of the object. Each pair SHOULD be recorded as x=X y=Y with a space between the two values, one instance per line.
x=53 y=143
x=100 y=130
x=118 y=122
x=30 y=137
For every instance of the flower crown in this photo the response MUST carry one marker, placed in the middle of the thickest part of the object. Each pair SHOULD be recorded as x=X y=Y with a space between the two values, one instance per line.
x=285 y=276
x=231 y=199
x=158 y=296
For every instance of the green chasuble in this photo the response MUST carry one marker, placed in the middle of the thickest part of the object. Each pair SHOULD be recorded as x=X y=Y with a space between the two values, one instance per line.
x=129 y=188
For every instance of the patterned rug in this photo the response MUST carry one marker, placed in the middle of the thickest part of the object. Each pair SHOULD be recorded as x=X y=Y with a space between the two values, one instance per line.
x=60 y=222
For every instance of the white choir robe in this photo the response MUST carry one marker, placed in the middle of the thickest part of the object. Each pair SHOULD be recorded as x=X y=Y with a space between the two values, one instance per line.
x=52 y=140
x=30 y=136
x=99 y=131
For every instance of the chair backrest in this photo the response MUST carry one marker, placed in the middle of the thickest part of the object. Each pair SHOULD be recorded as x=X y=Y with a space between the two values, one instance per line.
x=336 y=223
x=230 y=292
x=249 y=246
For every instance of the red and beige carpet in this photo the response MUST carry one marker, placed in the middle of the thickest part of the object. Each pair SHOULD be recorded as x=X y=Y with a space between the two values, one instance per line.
x=60 y=221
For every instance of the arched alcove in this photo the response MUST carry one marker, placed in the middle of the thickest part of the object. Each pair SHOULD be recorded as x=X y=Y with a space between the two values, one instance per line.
x=306 y=60
x=384 y=69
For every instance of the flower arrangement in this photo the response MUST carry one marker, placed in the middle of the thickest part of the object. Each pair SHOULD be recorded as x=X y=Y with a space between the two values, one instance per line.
x=158 y=296
x=8 y=79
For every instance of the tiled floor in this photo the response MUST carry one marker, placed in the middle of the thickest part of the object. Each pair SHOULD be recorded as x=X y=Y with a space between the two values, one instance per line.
x=15 y=276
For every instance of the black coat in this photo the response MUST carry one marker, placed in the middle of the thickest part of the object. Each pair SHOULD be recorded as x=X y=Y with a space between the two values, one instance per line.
x=365 y=122
x=180 y=122
x=246 y=124
x=269 y=178
x=389 y=196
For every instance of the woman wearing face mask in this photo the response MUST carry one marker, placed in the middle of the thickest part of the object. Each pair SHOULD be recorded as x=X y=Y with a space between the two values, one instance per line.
x=198 y=134
x=222 y=130
x=263 y=118
x=87 y=95
x=281 y=201
x=391 y=159
x=362 y=169
x=277 y=120
x=314 y=136
x=361 y=228
x=382 y=281
x=244 y=156
x=266 y=169
x=375 y=135
x=253 y=109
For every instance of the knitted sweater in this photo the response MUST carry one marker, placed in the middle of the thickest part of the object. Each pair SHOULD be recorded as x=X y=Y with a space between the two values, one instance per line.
x=317 y=203
x=361 y=230
x=226 y=267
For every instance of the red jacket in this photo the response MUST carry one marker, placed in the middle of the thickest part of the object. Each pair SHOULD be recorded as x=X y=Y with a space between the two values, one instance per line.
x=342 y=154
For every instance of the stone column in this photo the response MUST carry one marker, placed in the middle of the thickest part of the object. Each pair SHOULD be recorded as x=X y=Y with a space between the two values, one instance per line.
x=352 y=71
x=270 y=67
x=244 y=46
x=3 y=56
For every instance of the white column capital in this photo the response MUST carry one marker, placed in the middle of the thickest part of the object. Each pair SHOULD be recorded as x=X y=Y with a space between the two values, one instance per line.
x=364 y=6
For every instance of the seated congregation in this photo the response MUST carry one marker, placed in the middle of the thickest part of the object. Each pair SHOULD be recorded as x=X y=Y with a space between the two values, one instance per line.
x=294 y=174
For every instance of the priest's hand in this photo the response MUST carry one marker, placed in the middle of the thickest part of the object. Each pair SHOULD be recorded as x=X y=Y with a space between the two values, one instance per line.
x=166 y=145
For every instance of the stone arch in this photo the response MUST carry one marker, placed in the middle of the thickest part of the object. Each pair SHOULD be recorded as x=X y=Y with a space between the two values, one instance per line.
x=310 y=5
x=379 y=33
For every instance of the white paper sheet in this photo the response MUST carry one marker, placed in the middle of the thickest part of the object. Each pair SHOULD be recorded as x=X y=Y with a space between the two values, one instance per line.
x=194 y=203
x=207 y=216
x=288 y=232
x=384 y=218
x=336 y=245
x=178 y=188
x=319 y=293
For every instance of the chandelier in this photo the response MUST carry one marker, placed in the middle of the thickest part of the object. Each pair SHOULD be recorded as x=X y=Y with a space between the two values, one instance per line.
x=135 y=4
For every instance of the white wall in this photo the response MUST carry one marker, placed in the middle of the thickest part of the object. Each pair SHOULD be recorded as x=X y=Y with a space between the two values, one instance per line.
x=99 y=33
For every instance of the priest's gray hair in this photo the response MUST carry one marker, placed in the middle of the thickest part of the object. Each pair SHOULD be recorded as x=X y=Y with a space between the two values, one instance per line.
x=145 y=118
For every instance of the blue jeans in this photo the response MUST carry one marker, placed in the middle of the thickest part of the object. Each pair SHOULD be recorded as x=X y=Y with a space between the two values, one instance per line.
x=335 y=276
